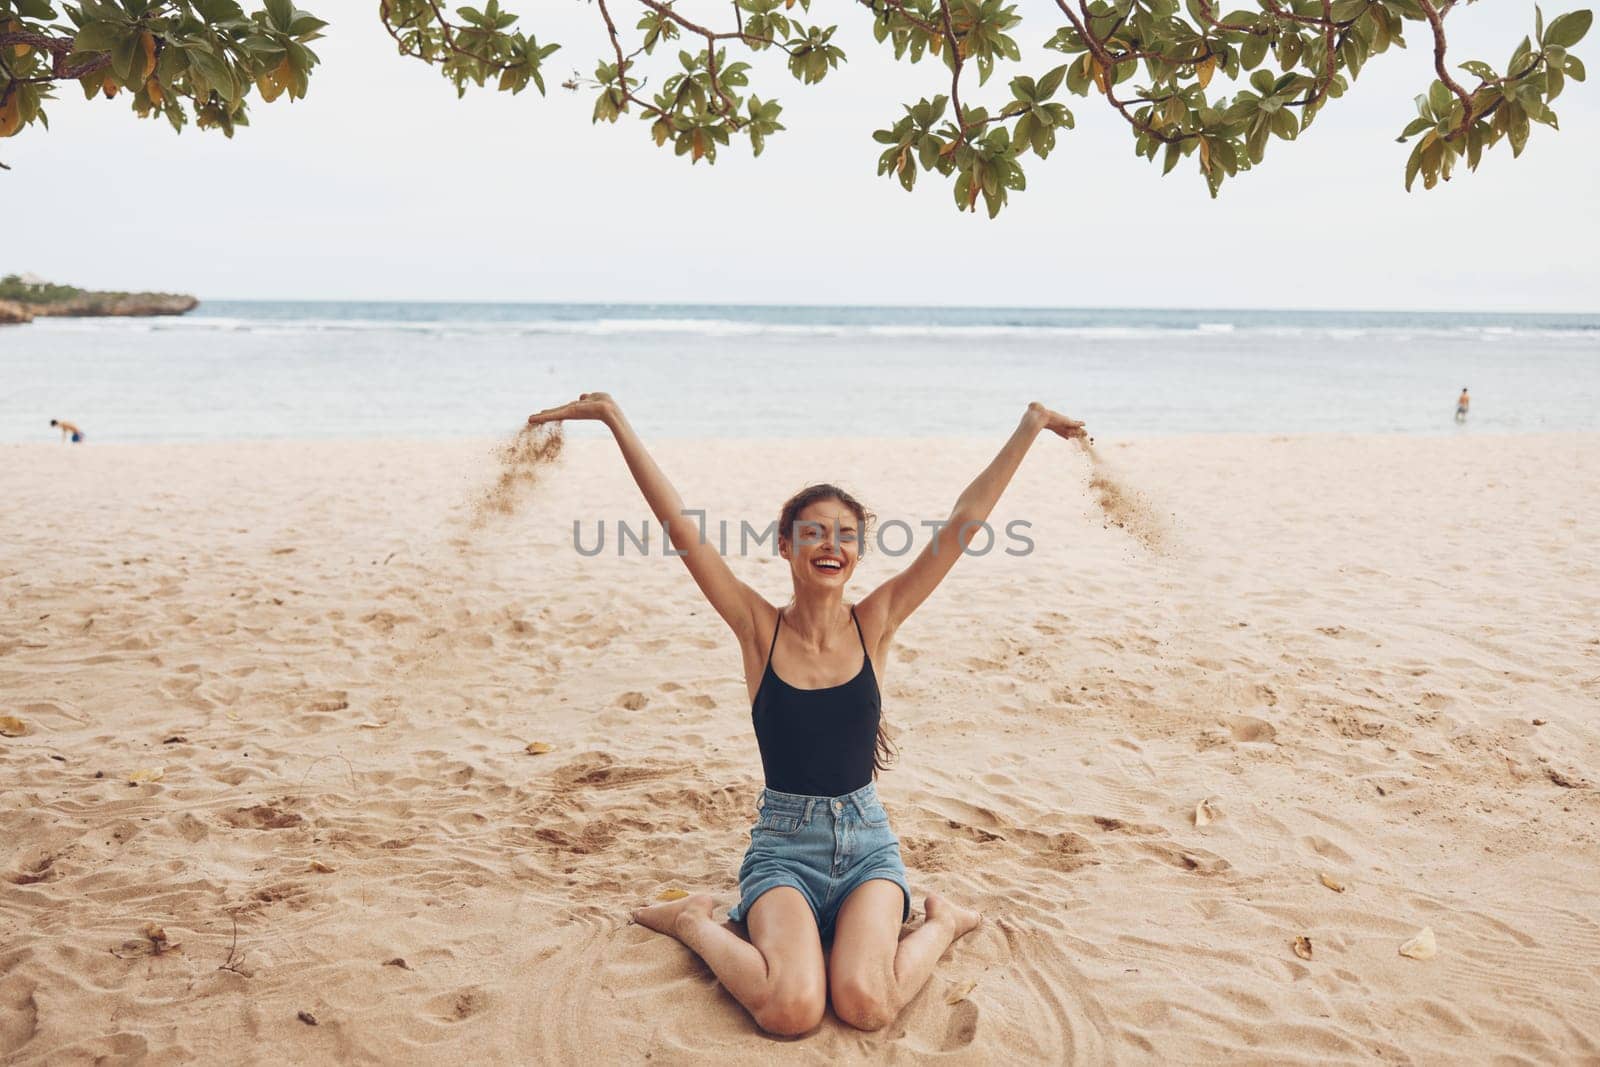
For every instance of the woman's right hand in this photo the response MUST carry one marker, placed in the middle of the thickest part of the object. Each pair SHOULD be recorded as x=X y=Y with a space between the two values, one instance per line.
x=597 y=406
x=1056 y=423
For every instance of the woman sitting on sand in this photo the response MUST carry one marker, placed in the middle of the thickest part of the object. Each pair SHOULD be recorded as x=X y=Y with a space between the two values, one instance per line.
x=822 y=858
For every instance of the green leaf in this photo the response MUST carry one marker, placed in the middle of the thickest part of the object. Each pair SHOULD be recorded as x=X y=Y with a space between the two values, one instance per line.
x=1051 y=82
x=127 y=57
x=281 y=12
x=99 y=37
x=1567 y=30
x=1439 y=98
x=213 y=70
x=1413 y=165
x=1252 y=52
x=1415 y=127
x=1517 y=128
x=1022 y=134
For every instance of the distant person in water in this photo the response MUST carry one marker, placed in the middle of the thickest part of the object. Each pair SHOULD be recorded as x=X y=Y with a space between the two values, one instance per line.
x=1462 y=403
x=69 y=432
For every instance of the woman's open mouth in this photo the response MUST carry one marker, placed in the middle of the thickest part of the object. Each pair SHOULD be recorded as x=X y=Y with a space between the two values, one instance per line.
x=828 y=566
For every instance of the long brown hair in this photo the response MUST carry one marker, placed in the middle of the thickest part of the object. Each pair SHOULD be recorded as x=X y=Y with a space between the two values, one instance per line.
x=884 y=753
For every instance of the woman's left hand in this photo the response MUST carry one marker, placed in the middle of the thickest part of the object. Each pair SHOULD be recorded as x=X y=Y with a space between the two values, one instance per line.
x=1055 y=422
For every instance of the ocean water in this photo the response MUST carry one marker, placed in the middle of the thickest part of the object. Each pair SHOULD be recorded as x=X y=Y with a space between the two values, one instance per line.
x=248 y=370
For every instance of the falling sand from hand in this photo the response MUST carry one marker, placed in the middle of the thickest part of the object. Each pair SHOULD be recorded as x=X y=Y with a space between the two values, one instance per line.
x=522 y=463
x=1124 y=508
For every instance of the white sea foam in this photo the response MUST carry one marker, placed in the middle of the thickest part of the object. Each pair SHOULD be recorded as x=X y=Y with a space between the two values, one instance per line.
x=1211 y=331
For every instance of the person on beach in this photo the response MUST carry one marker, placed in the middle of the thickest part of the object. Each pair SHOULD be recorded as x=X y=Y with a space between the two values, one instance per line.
x=823 y=859
x=68 y=431
x=1462 y=403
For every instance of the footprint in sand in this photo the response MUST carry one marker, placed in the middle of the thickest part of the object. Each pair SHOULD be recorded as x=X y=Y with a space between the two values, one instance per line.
x=963 y=1027
x=19 y=1017
x=262 y=817
x=1326 y=849
x=459 y=1006
x=1249 y=729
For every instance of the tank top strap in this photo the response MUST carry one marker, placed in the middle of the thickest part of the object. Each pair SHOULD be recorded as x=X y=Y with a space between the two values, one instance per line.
x=859 y=634
x=774 y=644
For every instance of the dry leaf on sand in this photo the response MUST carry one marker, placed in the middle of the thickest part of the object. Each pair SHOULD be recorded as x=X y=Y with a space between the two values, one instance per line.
x=671 y=894
x=1332 y=883
x=153 y=943
x=1422 y=946
x=1302 y=947
x=1206 y=812
x=306 y=1017
x=147 y=774
x=537 y=748
x=961 y=992
x=371 y=725
x=321 y=868
x=11 y=726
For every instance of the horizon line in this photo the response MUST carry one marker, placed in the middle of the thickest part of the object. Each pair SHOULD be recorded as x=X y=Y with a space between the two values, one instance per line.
x=755 y=305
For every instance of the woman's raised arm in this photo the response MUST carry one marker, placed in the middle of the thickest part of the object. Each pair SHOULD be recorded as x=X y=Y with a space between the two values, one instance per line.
x=893 y=602
x=733 y=599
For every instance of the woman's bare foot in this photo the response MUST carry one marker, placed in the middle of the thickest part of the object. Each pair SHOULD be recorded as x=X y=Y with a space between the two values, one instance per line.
x=962 y=921
x=664 y=918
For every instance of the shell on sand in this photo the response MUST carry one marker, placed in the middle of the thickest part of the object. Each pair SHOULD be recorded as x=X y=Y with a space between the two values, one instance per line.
x=1422 y=946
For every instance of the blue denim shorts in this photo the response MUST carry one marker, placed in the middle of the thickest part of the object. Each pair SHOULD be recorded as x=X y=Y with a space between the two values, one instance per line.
x=826 y=847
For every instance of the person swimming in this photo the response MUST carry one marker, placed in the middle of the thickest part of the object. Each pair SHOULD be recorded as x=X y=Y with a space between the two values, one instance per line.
x=68 y=431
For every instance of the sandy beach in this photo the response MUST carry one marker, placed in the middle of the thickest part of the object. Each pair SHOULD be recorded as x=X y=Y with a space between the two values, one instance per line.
x=276 y=701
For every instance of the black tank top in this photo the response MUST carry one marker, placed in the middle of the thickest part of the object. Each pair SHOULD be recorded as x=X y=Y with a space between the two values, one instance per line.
x=817 y=742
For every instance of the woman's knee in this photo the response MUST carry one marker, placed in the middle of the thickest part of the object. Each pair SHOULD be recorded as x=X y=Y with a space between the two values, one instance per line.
x=863 y=1003
x=787 y=1012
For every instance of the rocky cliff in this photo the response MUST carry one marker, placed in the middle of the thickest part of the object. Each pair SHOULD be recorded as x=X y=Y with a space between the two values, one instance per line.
x=121 y=304
x=23 y=301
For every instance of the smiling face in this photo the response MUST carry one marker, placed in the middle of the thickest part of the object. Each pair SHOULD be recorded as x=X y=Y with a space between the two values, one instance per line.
x=824 y=544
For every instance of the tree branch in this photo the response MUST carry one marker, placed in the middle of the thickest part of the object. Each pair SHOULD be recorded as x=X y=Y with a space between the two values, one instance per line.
x=1436 y=23
x=59 y=48
x=956 y=62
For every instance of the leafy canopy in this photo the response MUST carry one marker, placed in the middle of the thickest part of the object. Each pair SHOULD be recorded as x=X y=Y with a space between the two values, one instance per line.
x=1154 y=63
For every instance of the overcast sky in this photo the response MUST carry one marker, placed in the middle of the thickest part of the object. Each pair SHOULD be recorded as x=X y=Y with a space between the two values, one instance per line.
x=382 y=185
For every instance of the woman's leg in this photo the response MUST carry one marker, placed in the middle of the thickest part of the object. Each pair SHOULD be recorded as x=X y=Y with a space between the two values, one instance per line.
x=777 y=975
x=872 y=974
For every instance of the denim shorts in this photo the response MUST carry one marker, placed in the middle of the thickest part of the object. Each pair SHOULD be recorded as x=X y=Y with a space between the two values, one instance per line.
x=825 y=847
